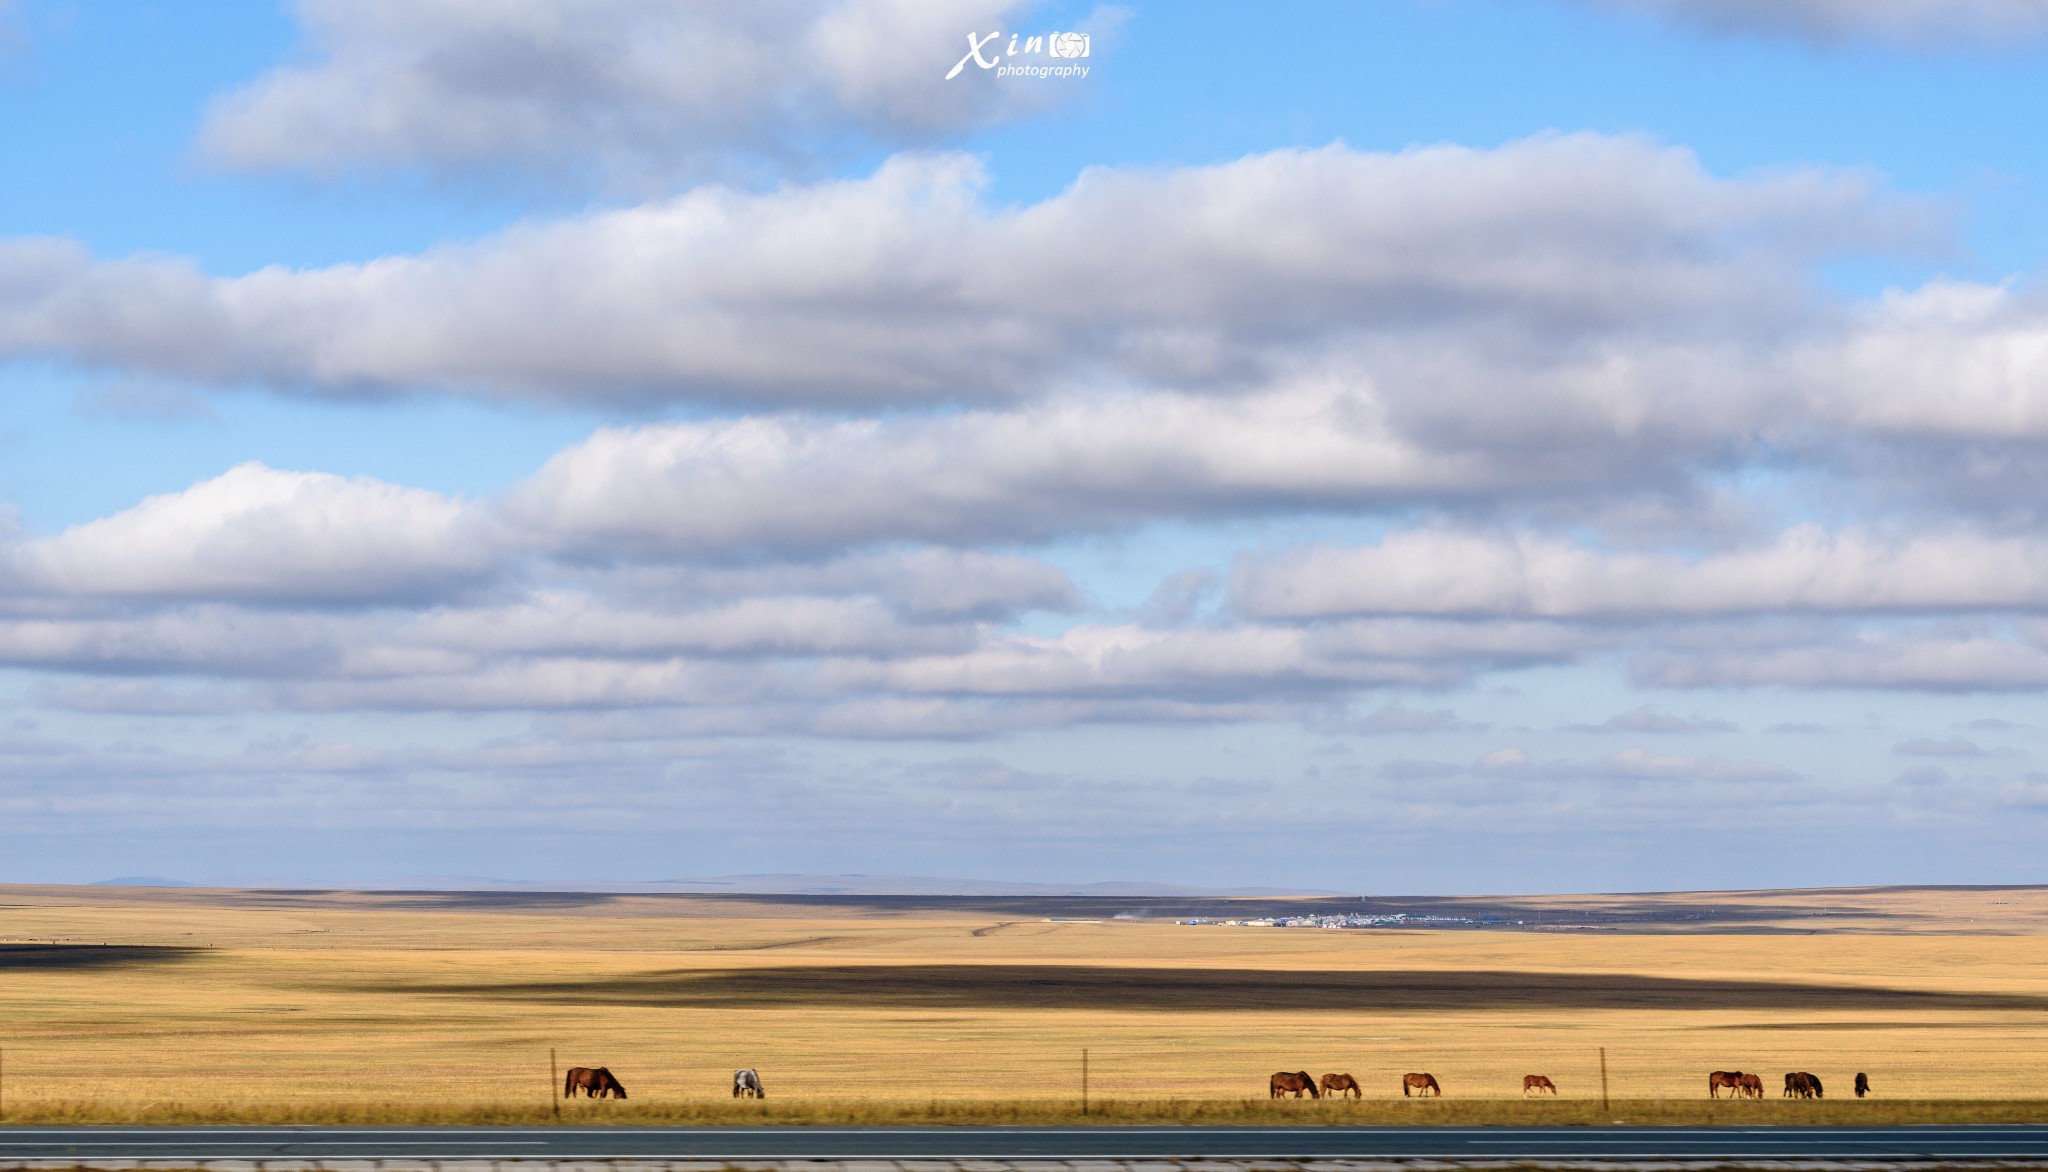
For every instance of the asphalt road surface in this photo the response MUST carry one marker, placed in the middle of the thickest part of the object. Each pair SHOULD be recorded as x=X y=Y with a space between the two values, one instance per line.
x=87 y=1144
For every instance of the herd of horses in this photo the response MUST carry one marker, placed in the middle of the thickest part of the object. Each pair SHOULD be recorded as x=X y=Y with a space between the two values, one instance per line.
x=596 y=1082
x=1299 y=1082
x=1798 y=1085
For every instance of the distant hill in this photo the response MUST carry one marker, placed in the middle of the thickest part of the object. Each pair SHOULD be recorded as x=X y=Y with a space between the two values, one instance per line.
x=768 y=884
x=142 y=881
x=931 y=885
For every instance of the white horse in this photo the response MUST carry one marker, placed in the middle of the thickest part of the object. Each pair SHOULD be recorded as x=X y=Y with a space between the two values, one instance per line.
x=747 y=1083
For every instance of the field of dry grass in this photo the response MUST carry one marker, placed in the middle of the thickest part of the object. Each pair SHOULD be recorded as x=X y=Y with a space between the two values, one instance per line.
x=125 y=1004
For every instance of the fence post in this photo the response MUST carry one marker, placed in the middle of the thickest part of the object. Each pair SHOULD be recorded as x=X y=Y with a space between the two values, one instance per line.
x=554 y=1102
x=1603 y=1078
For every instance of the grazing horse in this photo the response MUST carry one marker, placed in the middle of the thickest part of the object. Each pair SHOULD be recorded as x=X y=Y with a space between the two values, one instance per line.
x=1802 y=1085
x=1292 y=1083
x=1862 y=1084
x=746 y=1084
x=1732 y=1079
x=1537 y=1082
x=1419 y=1083
x=594 y=1082
x=1752 y=1085
x=1338 y=1084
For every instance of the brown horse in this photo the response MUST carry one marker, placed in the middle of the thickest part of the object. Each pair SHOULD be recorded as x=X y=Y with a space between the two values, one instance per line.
x=1340 y=1084
x=1537 y=1082
x=1862 y=1084
x=1732 y=1079
x=1292 y=1083
x=1752 y=1085
x=1419 y=1083
x=594 y=1082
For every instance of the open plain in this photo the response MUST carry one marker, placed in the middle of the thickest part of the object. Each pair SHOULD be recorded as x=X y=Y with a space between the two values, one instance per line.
x=181 y=1005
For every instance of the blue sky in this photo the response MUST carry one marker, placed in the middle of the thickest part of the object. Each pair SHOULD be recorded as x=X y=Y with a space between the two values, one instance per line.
x=1533 y=444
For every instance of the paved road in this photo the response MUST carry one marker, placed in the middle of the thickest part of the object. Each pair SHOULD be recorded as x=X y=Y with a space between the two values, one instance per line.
x=87 y=1144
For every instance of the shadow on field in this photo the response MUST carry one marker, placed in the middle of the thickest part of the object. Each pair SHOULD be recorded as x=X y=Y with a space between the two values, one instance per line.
x=17 y=957
x=1184 y=990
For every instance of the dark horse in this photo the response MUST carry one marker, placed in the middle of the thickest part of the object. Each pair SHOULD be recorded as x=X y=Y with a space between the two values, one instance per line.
x=1419 y=1083
x=1285 y=1083
x=1538 y=1082
x=1752 y=1085
x=1732 y=1079
x=1862 y=1084
x=595 y=1083
x=1340 y=1084
x=1803 y=1085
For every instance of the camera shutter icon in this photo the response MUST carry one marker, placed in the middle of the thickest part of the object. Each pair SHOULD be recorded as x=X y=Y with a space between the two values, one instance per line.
x=1068 y=45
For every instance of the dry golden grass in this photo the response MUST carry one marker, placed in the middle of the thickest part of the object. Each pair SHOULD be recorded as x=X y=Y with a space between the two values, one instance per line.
x=428 y=1008
x=1041 y=1112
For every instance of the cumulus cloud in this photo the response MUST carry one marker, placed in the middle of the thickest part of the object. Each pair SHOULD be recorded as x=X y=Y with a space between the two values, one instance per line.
x=1606 y=277
x=635 y=90
x=1922 y=775
x=1994 y=657
x=1407 y=769
x=1399 y=718
x=1072 y=463
x=269 y=589
x=1632 y=764
x=255 y=533
x=1912 y=24
x=1930 y=747
x=1951 y=609
x=1807 y=569
x=1649 y=718
x=1516 y=763
x=1984 y=346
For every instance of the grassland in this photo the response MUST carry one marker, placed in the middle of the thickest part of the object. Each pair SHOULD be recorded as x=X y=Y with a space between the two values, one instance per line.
x=122 y=1005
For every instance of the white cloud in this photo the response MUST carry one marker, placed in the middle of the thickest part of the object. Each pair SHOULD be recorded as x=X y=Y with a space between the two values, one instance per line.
x=1929 y=747
x=1074 y=463
x=1912 y=24
x=1516 y=764
x=640 y=91
x=1398 y=718
x=1949 y=359
x=263 y=589
x=1612 y=282
x=1807 y=569
x=1922 y=775
x=1992 y=659
x=1649 y=718
x=1632 y=764
x=255 y=533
